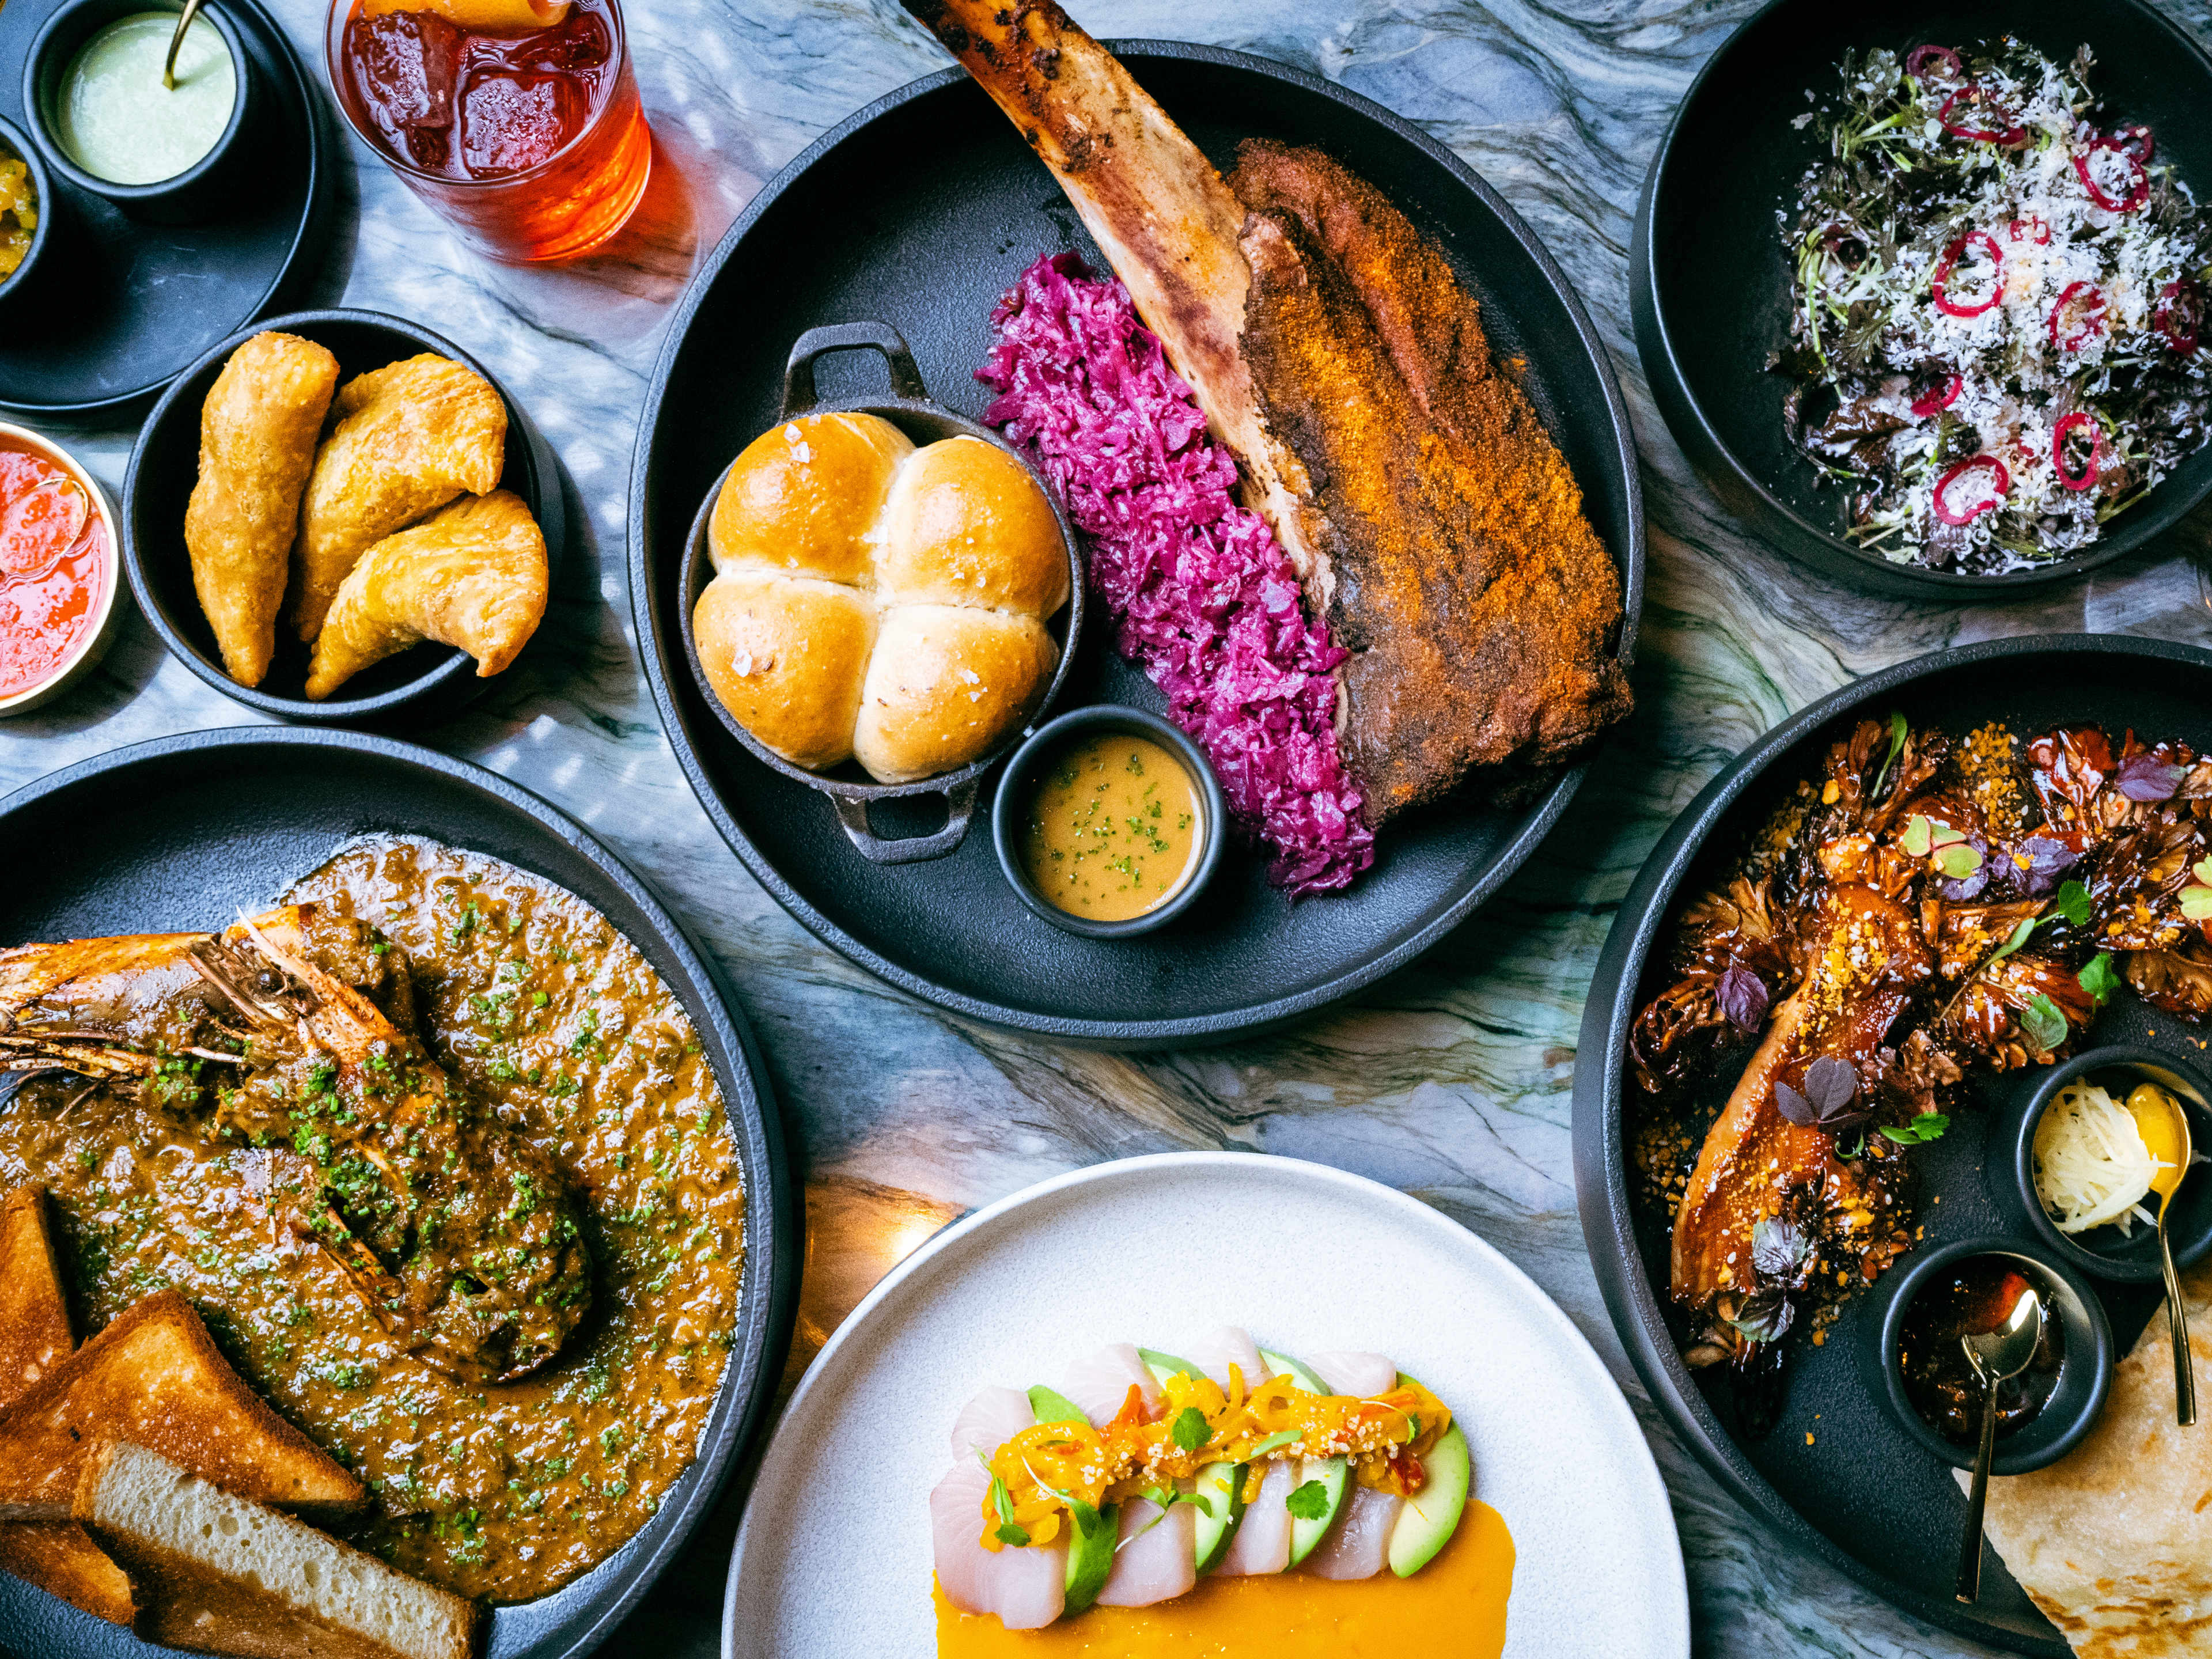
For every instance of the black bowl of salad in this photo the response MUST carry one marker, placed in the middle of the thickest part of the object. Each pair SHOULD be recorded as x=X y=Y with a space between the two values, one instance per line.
x=1921 y=289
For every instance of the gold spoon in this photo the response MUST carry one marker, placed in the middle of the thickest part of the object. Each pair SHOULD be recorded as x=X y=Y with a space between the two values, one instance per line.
x=2164 y=1127
x=1995 y=1355
x=176 y=43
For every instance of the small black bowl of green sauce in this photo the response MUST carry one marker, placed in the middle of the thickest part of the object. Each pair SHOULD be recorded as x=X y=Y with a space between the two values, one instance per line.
x=1109 y=821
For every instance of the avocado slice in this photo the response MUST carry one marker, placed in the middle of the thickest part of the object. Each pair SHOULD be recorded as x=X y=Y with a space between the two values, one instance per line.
x=1431 y=1515
x=1165 y=1365
x=1089 y=1559
x=1222 y=1486
x=1335 y=1474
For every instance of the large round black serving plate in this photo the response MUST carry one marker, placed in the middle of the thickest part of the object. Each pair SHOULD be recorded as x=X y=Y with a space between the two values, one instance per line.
x=121 y=305
x=1709 y=278
x=1862 y=1496
x=921 y=211
x=190 y=832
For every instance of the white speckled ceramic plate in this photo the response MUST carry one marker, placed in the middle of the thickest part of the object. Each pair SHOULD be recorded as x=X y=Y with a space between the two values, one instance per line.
x=833 y=1557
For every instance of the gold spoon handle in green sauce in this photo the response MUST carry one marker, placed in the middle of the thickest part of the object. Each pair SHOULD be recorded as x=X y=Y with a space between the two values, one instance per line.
x=176 y=43
x=2184 y=1363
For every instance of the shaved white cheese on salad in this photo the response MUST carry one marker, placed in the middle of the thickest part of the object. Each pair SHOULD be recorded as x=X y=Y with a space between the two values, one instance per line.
x=2091 y=1165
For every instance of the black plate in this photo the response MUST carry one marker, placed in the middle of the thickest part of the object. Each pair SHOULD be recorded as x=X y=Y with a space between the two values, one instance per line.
x=121 y=307
x=921 y=211
x=188 y=832
x=1862 y=1497
x=1708 y=284
x=422 y=683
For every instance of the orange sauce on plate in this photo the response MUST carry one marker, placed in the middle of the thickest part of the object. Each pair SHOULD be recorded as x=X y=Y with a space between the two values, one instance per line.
x=1453 y=1608
x=54 y=565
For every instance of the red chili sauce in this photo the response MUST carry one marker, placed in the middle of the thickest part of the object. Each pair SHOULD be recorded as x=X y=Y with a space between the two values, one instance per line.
x=54 y=568
x=1975 y=1296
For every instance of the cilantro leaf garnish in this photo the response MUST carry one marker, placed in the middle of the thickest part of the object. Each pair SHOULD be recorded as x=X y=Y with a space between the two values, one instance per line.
x=2073 y=904
x=1308 y=1502
x=1011 y=1533
x=1002 y=1500
x=1898 y=730
x=1190 y=1431
x=2098 y=979
x=1929 y=1126
x=2043 y=1024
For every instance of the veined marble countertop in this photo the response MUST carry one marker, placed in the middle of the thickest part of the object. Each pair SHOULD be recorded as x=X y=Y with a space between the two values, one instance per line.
x=1451 y=1080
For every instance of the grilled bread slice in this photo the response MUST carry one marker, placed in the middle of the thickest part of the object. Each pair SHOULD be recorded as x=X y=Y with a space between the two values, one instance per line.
x=155 y=1377
x=230 y=1575
x=34 y=1337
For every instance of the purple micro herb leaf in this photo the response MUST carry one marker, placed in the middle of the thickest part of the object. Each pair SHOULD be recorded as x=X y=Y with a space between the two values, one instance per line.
x=2048 y=858
x=1794 y=1106
x=1780 y=1251
x=2145 y=778
x=1964 y=868
x=1825 y=1102
x=1742 y=997
x=1765 y=1316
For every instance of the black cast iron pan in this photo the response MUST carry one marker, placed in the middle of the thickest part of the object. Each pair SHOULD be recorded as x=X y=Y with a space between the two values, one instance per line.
x=1709 y=280
x=1862 y=1495
x=189 y=832
x=921 y=211
x=119 y=306
x=909 y=407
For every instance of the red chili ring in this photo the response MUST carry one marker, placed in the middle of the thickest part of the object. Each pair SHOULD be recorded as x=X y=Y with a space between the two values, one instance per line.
x=2010 y=135
x=1934 y=402
x=2179 y=314
x=2093 y=315
x=1917 y=61
x=2137 y=135
x=2138 y=191
x=2033 y=229
x=1941 y=286
x=2003 y=487
x=2088 y=475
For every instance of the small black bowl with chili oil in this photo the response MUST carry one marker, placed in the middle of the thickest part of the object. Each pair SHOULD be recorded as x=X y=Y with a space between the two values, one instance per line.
x=1922 y=1313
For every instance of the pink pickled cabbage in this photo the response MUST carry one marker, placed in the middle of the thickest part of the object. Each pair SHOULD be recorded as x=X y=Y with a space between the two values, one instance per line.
x=1203 y=597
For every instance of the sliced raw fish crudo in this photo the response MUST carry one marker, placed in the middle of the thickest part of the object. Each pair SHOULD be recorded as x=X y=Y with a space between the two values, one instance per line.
x=1363 y=1375
x=988 y=1422
x=1100 y=1382
x=1359 y=1543
x=1262 y=1543
x=1026 y=1587
x=1156 y=1557
x=1231 y=1345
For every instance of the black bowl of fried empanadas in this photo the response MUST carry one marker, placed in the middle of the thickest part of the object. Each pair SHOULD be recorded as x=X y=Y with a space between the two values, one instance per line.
x=338 y=516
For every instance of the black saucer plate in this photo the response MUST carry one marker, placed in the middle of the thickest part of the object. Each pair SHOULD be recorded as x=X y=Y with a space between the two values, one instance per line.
x=191 y=831
x=921 y=211
x=1709 y=283
x=1861 y=1495
x=121 y=307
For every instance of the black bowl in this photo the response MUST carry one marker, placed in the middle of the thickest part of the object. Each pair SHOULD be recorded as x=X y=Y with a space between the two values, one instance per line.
x=2107 y=1252
x=426 y=681
x=192 y=831
x=2085 y=1368
x=1014 y=793
x=909 y=408
x=1709 y=283
x=205 y=189
x=18 y=143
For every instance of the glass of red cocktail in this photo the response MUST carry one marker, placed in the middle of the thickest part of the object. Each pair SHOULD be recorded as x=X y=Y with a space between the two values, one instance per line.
x=517 y=120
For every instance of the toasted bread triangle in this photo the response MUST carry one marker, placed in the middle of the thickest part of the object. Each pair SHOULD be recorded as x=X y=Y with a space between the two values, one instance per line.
x=60 y=1558
x=35 y=1325
x=155 y=1376
x=228 y=1576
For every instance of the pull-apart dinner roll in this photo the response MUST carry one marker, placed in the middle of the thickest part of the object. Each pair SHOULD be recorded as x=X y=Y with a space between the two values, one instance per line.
x=878 y=602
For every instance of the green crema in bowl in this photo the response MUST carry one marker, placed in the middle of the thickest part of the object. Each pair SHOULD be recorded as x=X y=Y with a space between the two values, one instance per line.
x=1995 y=318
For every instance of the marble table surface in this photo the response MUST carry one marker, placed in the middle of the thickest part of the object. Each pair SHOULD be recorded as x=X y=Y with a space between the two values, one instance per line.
x=1450 y=1081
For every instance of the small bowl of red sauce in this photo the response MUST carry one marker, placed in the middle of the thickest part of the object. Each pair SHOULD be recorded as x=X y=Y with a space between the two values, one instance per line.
x=1923 y=1312
x=58 y=573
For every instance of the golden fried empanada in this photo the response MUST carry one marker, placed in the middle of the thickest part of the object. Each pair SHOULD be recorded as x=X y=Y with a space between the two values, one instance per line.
x=410 y=437
x=473 y=577
x=258 y=431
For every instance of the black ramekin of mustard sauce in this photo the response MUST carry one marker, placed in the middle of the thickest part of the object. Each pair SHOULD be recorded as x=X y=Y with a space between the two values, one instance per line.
x=1109 y=821
x=1921 y=1310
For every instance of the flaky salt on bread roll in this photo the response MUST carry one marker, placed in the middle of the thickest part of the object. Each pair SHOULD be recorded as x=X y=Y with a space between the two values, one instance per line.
x=967 y=524
x=787 y=655
x=879 y=602
x=946 y=682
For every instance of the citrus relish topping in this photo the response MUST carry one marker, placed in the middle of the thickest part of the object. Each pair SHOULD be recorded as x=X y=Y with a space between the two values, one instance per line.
x=1051 y=1474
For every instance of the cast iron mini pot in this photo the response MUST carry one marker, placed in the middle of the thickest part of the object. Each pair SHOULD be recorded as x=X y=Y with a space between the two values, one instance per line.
x=2084 y=1366
x=201 y=190
x=423 y=683
x=1015 y=782
x=909 y=408
x=17 y=144
x=2106 y=1252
